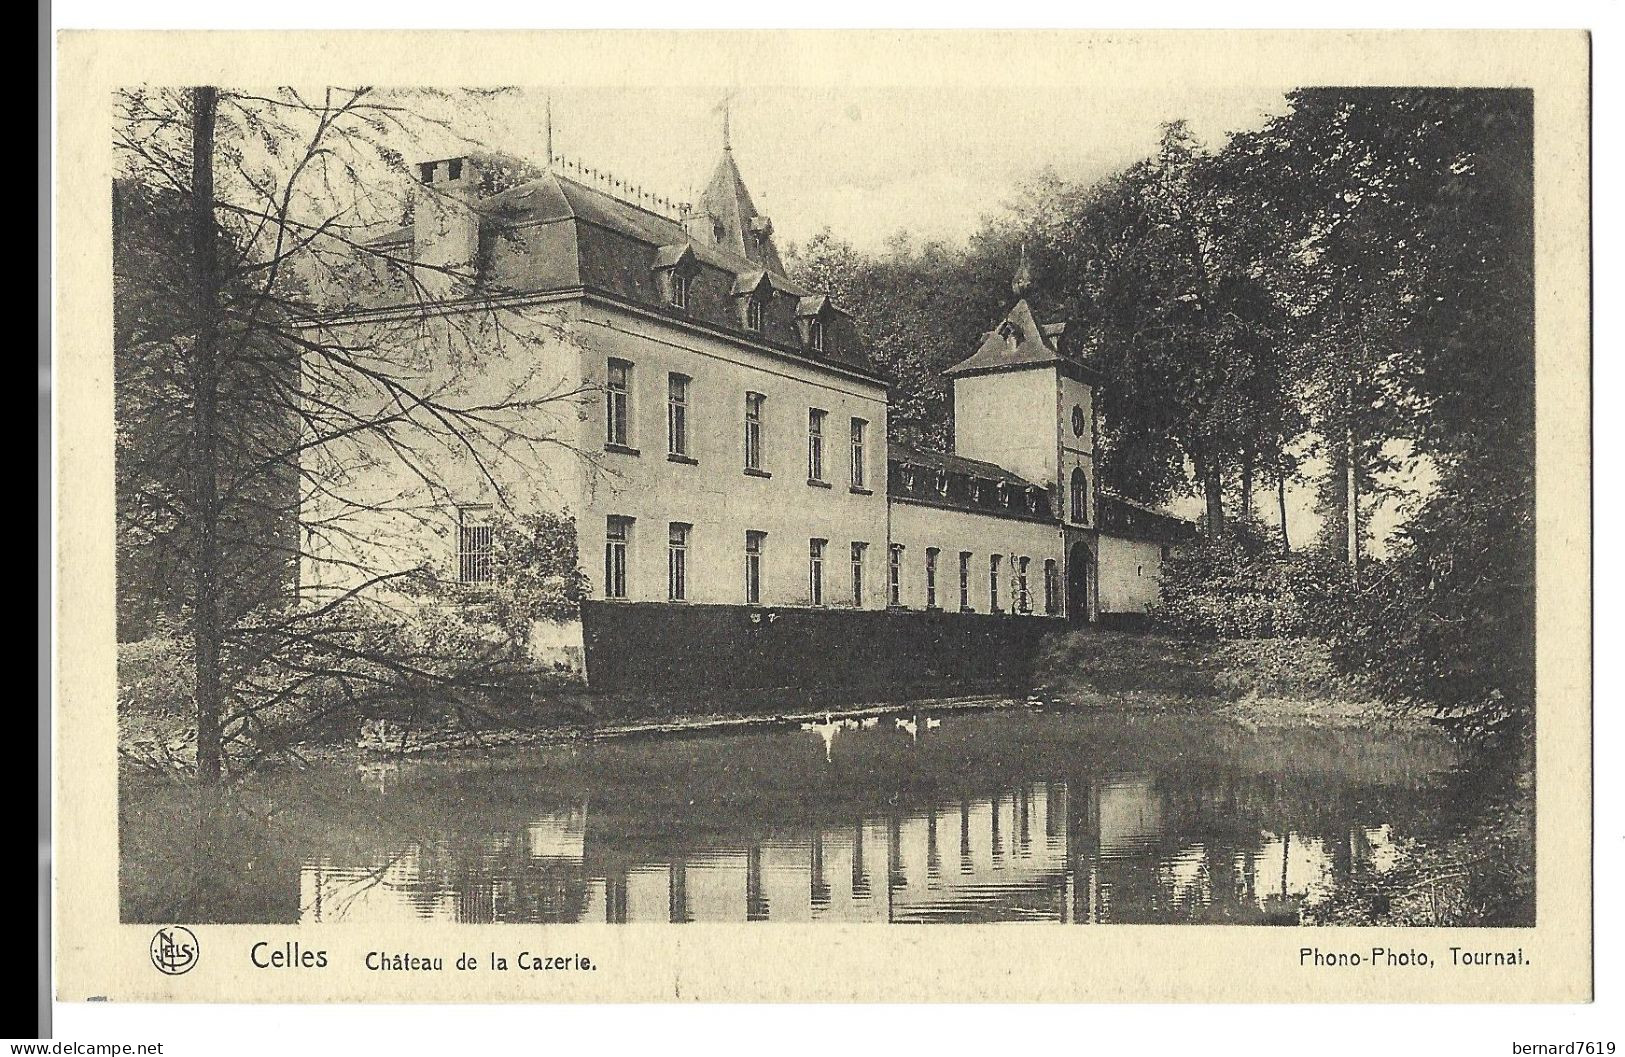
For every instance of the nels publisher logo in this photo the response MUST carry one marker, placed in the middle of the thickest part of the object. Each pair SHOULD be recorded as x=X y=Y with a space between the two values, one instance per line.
x=174 y=950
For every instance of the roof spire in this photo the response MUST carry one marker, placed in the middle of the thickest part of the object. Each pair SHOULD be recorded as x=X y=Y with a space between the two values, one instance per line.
x=550 y=130
x=1022 y=283
x=725 y=108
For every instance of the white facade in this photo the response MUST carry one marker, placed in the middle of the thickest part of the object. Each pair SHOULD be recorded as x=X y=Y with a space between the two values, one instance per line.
x=992 y=550
x=719 y=439
x=1130 y=573
x=710 y=490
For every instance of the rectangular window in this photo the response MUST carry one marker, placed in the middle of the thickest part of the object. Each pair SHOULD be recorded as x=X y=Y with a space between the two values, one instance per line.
x=931 y=577
x=617 y=534
x=474 y=545
x=754 y=545
x=859 y=550
x=753 y=314
x=815 y=444
x=618 y=399
x=964 y=579
x=993 y=582
x=677 y=562
x=1052 y=587
x=894 y=574
x=679 y=289
x=815 y=335
x=1024 y=598
x=677 y=414
x=753 y=430
x=815 y=571
x=858 y=474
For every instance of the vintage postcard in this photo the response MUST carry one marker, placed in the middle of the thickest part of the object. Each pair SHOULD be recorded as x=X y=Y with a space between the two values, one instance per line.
x=820 y=516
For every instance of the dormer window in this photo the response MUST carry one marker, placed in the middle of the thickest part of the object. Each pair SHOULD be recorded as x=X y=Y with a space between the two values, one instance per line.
x=942 y=482
x=815 y=315
x=752 y=290
x=674 y=269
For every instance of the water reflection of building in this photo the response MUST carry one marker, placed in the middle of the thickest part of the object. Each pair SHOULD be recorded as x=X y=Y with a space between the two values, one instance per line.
x=1118 y=849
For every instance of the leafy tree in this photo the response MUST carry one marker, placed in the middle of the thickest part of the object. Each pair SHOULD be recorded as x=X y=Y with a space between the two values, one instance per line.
x=1417 y=213
x=919 y=310
x=1161 y=265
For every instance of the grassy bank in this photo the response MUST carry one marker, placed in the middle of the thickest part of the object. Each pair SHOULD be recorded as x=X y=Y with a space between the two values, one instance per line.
x=1256 y=681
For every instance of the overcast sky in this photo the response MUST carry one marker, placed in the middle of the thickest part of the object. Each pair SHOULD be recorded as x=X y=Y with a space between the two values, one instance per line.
x=868 y=162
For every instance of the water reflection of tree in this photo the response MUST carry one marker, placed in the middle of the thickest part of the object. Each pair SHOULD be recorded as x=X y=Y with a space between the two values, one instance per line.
x=1468 y=862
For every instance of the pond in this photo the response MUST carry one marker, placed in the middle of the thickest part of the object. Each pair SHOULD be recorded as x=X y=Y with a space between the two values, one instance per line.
x=1006 y=814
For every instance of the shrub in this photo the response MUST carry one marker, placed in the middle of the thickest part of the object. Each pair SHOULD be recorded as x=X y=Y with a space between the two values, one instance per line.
x=1446 y=624
x=535 y=576
x=1238 y=587
x=156 y=674
x=427 y=653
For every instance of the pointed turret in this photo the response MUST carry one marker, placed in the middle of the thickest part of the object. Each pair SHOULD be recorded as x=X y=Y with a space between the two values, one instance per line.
x=727 y=218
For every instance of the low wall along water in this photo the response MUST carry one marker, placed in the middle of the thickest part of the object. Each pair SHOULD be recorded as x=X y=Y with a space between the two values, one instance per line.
x=654 y=646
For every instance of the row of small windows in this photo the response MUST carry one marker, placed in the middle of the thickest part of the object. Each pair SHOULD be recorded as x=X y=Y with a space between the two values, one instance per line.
x=914 y=480
x=618 y=417
x=1019 y=592
x=617 y=537
x=475 y=562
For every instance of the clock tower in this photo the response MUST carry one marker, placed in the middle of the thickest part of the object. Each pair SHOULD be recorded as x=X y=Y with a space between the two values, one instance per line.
x=1025 y=401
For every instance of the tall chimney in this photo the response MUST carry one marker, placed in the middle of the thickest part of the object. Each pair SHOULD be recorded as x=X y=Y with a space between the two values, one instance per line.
x=445 y=226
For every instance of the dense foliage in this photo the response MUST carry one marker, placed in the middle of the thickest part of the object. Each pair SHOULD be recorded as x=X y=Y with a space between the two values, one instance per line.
x=1242 y=586
x=1345 y=291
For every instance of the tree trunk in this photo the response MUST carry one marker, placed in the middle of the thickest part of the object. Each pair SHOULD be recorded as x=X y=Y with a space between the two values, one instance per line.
x=1213 y=486
x=1280 y=501
x=1247 y=486
x=1351 y=503
x=205 y=372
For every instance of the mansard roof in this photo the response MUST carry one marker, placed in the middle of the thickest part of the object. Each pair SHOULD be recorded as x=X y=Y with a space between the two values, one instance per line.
x=1125 y=517
x=554 y=234
x=939 y=479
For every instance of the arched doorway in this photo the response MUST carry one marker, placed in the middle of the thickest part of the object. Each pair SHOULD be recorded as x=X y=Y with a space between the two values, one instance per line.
x=1080 y=578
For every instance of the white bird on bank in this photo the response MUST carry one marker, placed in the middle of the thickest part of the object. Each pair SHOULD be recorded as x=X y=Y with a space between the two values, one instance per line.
x=825 y=730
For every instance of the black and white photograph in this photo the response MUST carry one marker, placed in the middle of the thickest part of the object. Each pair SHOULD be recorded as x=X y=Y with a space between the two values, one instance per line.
x=548 y=503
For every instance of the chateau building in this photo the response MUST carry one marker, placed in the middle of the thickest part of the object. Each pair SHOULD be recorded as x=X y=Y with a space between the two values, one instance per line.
x=727 y=443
